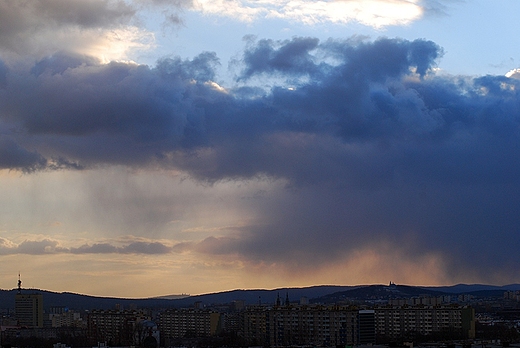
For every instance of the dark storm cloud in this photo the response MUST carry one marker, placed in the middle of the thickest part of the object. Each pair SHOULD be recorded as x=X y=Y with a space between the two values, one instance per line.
x=22 y=21
x=110 y=113
x=12 y=156
x=86 y=13
x=372 y=145
x=373 y=60
x=3 y=73
x=290 y=57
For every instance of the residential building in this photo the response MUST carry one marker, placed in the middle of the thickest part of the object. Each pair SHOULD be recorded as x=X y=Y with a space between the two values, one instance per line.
x=300 y=325
x=408 y=322
x=178 y=323
x=116 y=327
x=66 y=319
x=366 y=327
x=346 y=326
x=29 y=309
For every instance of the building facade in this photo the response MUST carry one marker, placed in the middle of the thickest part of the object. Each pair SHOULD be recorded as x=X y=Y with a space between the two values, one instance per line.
x=300 y=325
x=328 y=326
x=450 y=322
x=179 y=323
x=116 y=327
x=366 y=327
x=66 y=319
x=29 y=309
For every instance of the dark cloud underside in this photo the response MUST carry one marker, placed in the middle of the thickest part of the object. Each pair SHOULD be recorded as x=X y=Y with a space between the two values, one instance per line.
x=373 y=145
x=22 y=23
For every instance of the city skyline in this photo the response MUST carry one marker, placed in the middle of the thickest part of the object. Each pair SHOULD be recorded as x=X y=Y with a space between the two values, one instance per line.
x=155 y=147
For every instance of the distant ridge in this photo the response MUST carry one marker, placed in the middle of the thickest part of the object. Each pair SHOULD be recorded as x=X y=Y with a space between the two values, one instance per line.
x=385 y=292
x=466 y=288
x=315 y=294
x=82 y=302
x=264 y=296
x=171 y=297
x=380 y=292
x=87 y=302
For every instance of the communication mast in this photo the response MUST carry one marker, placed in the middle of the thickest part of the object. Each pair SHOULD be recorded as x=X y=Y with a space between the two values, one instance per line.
x=19 y=284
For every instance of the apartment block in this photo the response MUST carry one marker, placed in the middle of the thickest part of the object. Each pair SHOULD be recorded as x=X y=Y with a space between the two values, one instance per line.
x=408 y=322
x=29 y=310
x=178 y=323
x=346 y=326
x=66 y=319
x=116 y=327
x=300 y=325
x=254 y=325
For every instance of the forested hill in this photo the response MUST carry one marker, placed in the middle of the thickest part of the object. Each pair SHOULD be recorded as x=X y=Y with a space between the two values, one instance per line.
x=315 y=294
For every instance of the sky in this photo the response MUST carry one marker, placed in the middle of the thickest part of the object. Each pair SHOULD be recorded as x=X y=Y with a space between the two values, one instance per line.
x=154 y=147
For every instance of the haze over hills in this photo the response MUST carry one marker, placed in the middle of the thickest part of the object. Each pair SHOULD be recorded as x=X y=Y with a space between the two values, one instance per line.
x=315 y=294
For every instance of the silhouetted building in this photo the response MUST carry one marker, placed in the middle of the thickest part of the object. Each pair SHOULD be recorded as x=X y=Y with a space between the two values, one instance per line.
x=254 y=325
x=113 y=326
x=300 y=325
x=366 y=327
x=345 y=326
x=437 y=322
x=29 y=309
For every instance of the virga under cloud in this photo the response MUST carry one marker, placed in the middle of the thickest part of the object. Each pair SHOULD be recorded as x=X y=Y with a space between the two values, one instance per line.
x=370 y=152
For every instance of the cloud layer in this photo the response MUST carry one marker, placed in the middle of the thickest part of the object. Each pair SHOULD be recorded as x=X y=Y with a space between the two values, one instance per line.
x=104 y=29
x=49 y=246
x=374 y=148
x=374 y=13
x=111 y=30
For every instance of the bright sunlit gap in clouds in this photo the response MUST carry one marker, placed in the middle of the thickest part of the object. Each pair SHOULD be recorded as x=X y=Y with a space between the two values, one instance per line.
x=374 y=13
x=119 y=45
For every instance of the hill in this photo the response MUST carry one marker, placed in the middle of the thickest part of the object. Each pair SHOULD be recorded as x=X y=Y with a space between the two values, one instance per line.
x=315 y=294
x=86 y=302
x=473 y=288
x=379 y=292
